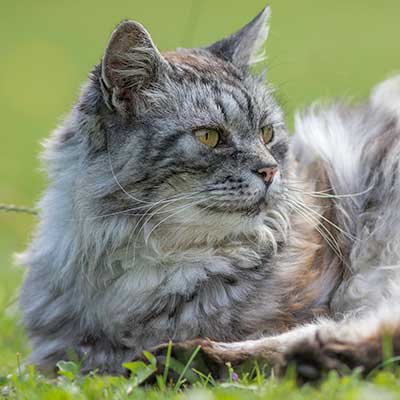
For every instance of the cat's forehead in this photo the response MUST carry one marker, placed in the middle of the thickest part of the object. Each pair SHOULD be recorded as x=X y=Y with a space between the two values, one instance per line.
x=193 y=59
x=186 y=63
x=201 y=89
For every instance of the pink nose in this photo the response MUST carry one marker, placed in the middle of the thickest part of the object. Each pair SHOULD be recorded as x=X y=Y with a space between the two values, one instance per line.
x=268 y=173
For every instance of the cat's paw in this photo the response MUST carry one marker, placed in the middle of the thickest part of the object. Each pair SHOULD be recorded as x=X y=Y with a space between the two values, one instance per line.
x=314 y=357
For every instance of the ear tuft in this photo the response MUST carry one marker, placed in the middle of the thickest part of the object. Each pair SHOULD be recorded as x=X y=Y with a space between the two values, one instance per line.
x=243 y=47
x=130 y=63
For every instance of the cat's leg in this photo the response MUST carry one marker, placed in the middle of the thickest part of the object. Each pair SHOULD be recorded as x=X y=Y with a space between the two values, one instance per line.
x=213 y=356
x=312 y=349
x=105 y=358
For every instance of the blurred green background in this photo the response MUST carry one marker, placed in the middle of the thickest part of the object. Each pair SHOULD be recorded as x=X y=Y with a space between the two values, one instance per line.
x=316 y=49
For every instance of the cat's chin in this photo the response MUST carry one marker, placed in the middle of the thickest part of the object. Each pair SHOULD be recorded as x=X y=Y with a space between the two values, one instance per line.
x=235 y=221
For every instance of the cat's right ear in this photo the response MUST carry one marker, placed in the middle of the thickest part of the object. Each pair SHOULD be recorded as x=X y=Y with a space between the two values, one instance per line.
x=130 y=64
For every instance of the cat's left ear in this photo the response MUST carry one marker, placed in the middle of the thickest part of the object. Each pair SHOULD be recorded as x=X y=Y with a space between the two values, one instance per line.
x=243 y=47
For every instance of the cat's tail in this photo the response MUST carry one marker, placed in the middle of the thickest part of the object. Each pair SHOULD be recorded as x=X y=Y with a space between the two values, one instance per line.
x=358 y=147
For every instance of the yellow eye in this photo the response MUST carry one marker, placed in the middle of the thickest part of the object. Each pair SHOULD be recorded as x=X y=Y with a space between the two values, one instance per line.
x=267 y=133
x=209 y=137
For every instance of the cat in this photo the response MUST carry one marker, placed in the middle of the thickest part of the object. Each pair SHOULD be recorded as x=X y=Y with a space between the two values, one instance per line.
x=178 y=209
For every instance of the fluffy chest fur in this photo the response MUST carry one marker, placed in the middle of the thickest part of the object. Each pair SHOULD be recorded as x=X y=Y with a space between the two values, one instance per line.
x=147 y=296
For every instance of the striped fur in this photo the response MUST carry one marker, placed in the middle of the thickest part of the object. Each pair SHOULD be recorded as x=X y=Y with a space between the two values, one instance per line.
x=147 y=235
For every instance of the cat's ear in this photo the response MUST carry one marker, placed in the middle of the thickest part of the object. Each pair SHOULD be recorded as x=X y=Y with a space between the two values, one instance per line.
x=130 y=64
x=244 y=46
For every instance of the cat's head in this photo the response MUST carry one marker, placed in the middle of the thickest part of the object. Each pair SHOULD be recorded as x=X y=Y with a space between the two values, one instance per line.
x=190 y=138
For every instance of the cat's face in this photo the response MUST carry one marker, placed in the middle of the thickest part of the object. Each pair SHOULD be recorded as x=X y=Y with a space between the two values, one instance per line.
x=192 y=137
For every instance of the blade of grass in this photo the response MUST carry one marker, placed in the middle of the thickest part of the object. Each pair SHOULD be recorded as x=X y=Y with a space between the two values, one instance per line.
x=167 y=362
x=383 y=364
x=192 y=357
x=205 y=379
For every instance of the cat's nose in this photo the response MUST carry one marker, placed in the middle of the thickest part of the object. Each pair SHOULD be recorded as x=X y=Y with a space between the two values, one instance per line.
x=267 y=173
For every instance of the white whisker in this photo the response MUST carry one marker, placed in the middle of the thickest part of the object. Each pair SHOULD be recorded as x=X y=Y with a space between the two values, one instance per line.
x=325 y=233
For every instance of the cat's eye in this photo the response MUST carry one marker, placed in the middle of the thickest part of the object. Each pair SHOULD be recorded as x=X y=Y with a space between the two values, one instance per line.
x=267 y=133
x=208 y=136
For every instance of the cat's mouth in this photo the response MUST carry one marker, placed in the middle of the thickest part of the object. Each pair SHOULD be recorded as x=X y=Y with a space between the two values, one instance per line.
x=245 y=207
x=247 y=197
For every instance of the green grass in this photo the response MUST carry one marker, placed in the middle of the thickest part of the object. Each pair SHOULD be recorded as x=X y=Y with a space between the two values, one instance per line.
x=70 y=385
x=316 y=49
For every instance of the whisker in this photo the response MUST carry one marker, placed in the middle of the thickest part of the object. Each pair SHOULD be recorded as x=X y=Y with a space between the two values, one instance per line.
x=118 y=182
x=151 y=215
x=146 y=239
x=129 y=210
x=206 y=208
x=332 y=244
x=284 y=221
x=328 y=237
x=347 y=234
x=323 y=193
x=157 y=211
x=172 y=215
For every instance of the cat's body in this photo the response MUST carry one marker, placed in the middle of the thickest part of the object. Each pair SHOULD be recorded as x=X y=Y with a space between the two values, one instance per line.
x=148 y=234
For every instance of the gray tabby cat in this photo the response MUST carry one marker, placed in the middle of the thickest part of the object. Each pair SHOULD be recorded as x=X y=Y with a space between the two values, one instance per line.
x=175 y=210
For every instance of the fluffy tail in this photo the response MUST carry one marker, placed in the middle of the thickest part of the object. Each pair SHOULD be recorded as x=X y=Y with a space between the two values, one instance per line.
x=359 y=149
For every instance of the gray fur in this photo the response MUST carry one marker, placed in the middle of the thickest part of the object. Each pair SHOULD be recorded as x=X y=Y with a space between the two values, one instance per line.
x=147 y=235
x=107 y=275
x=365 y=173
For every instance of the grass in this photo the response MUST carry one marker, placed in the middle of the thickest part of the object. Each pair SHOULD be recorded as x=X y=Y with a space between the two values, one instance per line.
x=316 y=49
x=28 y=384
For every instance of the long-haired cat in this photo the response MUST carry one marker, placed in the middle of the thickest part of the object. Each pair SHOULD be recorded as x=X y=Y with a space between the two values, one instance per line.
x=178 y=209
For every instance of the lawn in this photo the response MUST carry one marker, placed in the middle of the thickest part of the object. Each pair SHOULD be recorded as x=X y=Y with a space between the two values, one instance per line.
x=316 y=49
